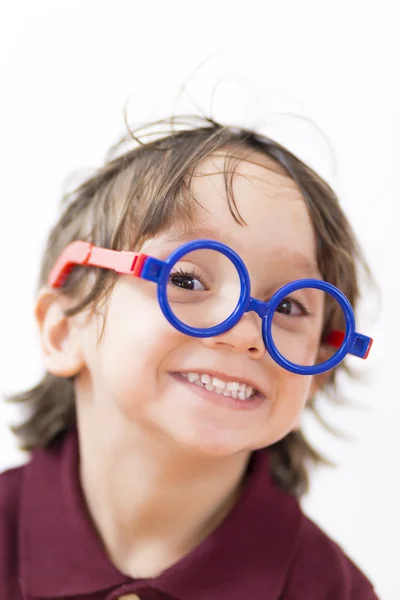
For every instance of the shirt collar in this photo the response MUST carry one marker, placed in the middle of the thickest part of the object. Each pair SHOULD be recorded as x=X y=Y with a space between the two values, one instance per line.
x=247 y=556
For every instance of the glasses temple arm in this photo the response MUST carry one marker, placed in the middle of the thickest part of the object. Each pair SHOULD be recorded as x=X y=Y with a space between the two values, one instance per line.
x=360 y=345
x=83 y=253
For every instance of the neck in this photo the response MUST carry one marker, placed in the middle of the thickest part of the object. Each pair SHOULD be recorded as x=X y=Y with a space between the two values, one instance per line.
x=152 y=502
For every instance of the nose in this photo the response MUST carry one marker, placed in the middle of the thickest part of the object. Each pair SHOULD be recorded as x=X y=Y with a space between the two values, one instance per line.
x=244 y=338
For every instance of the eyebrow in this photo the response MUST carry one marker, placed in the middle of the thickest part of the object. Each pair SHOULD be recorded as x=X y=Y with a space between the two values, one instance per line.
x=299 y=261
x=199 y=233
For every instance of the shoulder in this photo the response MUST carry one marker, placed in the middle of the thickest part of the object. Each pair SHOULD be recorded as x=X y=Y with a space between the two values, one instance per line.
x=10 y=490
x=321 y=570
x=10 y=493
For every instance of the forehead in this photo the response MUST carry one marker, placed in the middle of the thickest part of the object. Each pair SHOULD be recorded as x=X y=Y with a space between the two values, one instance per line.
x=267 y=199
x=277 y=221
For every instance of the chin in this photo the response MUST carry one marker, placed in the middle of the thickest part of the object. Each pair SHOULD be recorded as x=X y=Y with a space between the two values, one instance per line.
x=211 y=444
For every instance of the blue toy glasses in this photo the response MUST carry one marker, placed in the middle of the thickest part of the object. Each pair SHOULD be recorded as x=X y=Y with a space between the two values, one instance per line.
x=203 y=289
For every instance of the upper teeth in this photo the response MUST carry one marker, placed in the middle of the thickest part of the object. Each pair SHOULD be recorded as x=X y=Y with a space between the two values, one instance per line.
x=235 y=389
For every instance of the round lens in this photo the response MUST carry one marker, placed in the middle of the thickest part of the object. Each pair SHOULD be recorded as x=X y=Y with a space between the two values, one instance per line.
x=203 y=288
x=301 y=323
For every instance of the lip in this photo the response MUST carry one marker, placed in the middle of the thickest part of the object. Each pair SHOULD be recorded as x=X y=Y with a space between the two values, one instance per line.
x=219 y=399
x=227 y=377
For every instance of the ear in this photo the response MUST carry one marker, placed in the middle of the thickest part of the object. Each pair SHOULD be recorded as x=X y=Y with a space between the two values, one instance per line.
x=59 y=338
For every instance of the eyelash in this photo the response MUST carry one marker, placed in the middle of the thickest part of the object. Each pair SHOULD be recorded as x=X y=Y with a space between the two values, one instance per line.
x=302 y=304
x=186 y=273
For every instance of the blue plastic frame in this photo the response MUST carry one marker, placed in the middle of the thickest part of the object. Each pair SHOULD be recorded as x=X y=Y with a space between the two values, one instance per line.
x=158 y=271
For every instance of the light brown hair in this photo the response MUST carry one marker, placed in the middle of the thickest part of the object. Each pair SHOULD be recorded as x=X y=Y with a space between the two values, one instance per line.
x=142 y=191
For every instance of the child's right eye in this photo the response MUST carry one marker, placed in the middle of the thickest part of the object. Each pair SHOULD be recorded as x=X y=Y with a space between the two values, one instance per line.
x=186 y=280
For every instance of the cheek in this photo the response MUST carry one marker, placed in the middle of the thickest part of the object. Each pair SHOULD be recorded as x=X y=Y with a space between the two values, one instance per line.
x=292 y=393
x=135 y=343
x=311 y=351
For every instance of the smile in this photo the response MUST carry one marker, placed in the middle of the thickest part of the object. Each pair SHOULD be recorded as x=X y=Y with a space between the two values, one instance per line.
x=237 y=395
x=230 y=389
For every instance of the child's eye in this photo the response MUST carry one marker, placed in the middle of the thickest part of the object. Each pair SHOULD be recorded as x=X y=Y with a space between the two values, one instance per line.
x=186 y=280
x=293 y=308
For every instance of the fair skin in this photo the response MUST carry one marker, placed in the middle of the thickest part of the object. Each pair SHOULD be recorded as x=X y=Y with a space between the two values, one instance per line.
x=160 y=467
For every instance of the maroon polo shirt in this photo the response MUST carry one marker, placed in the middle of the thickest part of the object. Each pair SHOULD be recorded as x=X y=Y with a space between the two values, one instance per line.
x=265 y=549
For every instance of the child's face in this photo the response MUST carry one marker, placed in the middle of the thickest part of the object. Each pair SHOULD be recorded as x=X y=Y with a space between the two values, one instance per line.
x=129 y=376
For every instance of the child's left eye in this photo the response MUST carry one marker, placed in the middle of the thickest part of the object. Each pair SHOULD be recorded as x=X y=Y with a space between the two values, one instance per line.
x=293 y=308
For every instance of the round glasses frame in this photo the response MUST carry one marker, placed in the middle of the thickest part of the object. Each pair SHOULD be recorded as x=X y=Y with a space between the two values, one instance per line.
x=152 y=269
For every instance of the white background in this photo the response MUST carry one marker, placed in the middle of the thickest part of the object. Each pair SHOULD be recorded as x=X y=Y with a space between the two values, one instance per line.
x=67 y=69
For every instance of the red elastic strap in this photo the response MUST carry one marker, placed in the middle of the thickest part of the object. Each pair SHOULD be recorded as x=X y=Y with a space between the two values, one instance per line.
x=335 y=338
